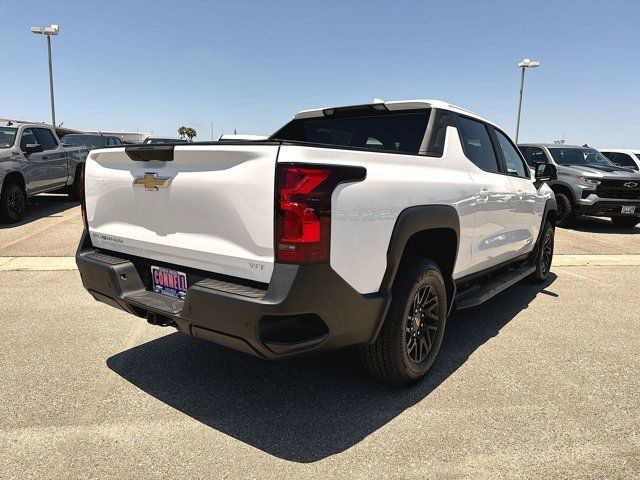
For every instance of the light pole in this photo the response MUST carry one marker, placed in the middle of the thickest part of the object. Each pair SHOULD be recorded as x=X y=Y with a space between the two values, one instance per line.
x=48 y=31
x=526 y=63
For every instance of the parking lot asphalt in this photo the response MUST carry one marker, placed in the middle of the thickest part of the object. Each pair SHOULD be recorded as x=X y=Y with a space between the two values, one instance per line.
x=539 y=382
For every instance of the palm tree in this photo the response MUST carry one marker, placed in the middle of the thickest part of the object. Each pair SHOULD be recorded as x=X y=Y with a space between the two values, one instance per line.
x=182 y=131
x=190 y=132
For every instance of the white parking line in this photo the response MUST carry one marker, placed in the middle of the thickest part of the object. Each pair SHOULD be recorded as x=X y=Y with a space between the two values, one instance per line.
x=595 y=260
x=16 y=264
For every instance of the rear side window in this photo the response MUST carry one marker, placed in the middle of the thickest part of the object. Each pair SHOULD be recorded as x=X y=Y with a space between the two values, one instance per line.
x=513 y=162
x=477 y=144
x=400 y=132
x=45 y=138
x=443 y=119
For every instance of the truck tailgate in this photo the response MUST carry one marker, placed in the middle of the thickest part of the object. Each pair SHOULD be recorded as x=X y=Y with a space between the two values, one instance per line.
x=211 y=207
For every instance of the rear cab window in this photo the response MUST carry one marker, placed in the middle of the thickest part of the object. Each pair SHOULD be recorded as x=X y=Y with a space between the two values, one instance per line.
x=361 y=127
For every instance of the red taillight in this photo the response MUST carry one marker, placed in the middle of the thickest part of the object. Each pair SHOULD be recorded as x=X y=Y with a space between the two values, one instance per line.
x=303 y=209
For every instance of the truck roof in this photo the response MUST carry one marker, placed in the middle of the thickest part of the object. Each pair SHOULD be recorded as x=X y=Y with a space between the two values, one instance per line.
x=552 y=145
x=396 y=105
x=23 y=124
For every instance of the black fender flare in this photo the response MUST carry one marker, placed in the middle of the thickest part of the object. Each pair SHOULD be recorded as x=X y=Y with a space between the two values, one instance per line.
x=550 y=206
x=411 y=221
x=567 y=186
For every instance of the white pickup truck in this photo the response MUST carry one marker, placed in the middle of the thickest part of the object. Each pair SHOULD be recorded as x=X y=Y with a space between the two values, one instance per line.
x=358 y=226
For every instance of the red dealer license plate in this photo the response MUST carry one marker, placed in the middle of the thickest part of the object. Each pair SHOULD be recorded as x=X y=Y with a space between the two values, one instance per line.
x=169 y=282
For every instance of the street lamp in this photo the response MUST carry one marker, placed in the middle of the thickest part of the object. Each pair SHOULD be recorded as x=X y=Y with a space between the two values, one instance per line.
x=48 y=31
x=526 y=63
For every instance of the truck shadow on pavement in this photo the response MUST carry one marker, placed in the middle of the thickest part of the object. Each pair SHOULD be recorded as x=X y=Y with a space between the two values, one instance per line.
x=306 y=409
x=44 y=205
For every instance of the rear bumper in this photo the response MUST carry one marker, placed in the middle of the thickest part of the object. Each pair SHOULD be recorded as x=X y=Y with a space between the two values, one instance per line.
x=608 y=208
x=304 y=308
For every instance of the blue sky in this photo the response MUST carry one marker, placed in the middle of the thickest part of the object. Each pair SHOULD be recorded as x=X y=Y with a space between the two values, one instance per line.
x=250 y=65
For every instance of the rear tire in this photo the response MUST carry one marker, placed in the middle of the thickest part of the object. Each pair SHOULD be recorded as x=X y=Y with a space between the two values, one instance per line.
x=566 y=215
x=625 y=222
x=75 y=189
x=545 y=254
x=13 y=202
x=412 y=332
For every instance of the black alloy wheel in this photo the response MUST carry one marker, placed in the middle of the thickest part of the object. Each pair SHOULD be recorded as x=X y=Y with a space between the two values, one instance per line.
x=422 y=324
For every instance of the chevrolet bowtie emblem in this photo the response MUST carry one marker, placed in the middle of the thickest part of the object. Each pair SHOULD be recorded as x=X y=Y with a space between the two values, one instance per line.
x=630 y=184
x=151 y=181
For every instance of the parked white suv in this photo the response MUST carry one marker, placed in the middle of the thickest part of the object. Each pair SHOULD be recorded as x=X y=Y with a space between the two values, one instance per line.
x=623 y=157
x=354 y=226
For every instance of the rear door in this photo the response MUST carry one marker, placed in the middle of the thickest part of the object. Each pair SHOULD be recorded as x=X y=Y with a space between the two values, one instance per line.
x=208 y=207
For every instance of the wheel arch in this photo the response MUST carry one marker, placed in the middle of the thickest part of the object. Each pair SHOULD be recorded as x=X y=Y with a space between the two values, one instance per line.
x=17 y=176
x=428 y=231
x=564 y=189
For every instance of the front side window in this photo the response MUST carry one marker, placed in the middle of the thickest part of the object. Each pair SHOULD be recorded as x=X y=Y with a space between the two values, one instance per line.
x=534 y=155
x=45 y=138
x=28 y=138
x=513 y=162
x=579 y=156
x=400 y=132
x=477 y=144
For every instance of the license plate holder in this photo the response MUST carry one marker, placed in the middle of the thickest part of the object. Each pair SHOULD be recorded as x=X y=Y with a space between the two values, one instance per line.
x=169 y=282
x=628 y=209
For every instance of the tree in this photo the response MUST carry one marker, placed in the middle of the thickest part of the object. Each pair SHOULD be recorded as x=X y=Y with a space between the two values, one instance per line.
x=187 y=132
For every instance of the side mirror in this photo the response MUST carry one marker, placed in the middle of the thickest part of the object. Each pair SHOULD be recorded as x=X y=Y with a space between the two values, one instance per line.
x=545 y=172
x=32 y=148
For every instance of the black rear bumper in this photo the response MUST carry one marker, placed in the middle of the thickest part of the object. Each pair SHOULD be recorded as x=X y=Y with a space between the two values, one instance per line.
x=608 y=208
x=304 y=308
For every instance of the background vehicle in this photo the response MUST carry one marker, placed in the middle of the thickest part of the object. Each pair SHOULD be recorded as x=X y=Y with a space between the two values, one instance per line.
x=33 y=160
x=91 y=140
x=623 y=157
x=588 y=183
x=354 y=226
x=164 y=140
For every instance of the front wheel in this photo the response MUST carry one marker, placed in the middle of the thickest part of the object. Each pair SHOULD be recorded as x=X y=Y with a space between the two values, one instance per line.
x=545 y=254
x=13 y=202
x=625 y=222
x=411 y=335
x=565 y=213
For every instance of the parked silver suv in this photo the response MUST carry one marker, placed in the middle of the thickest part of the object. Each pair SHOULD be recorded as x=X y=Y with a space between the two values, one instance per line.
x=588 y=183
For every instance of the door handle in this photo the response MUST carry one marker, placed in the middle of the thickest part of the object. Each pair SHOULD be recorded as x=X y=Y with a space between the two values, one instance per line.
x=44 y=157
